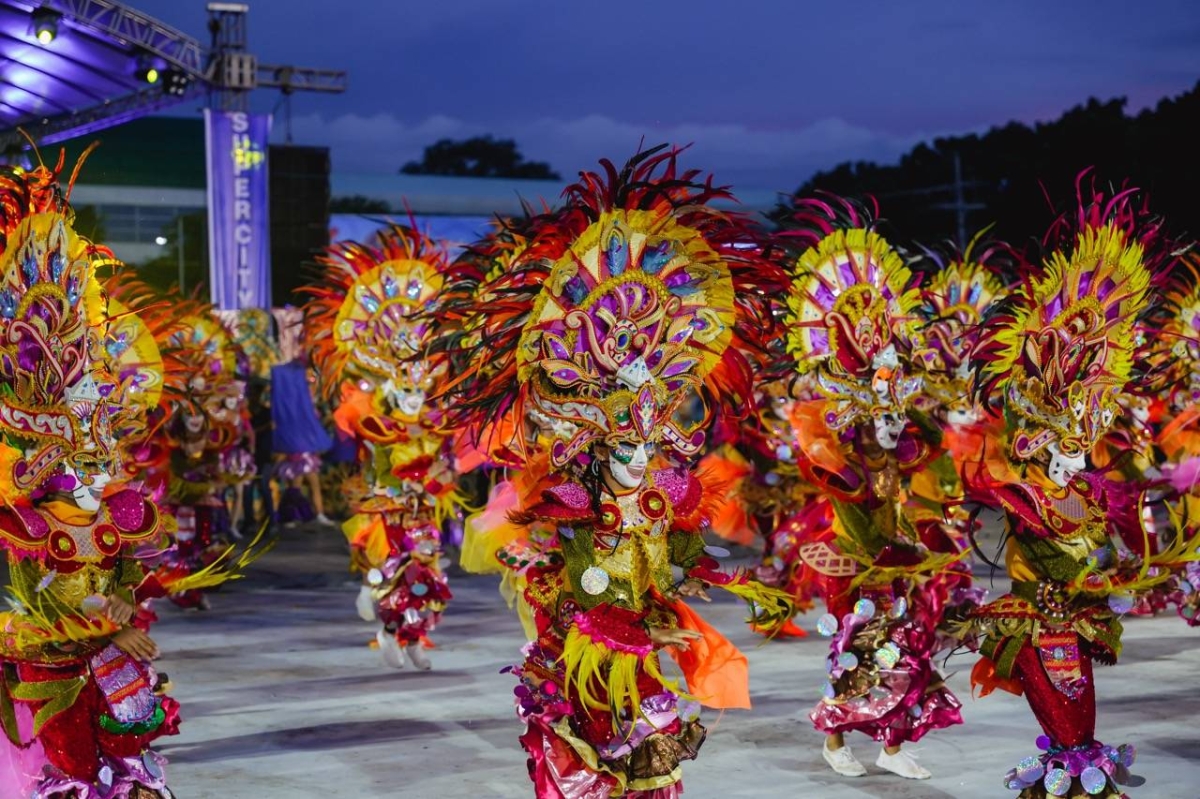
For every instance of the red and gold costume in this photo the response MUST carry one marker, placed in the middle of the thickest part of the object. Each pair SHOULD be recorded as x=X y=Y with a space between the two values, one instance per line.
x=1058 y=356
x=611 y=333
x=369 y=333
x=852 y=326
x=77 y=711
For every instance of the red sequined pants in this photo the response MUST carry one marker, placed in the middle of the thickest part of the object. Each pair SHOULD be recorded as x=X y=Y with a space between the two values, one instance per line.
x=1067 y=721
x=73 y=739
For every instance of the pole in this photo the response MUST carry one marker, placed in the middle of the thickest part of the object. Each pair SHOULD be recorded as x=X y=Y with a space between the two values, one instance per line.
x=287 y=108
x=179 y=247
x=960 y=201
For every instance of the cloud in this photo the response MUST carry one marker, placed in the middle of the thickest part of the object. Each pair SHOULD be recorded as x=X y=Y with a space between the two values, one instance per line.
x=777 y=159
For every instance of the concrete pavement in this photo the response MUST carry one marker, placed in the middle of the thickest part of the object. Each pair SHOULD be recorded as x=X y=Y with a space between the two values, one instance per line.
x=283 y=699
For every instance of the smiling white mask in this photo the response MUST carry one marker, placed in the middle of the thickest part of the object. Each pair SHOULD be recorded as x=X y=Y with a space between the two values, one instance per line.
x=88 y=497
x=1063 y=468
x=627 y=464
x=888 y=427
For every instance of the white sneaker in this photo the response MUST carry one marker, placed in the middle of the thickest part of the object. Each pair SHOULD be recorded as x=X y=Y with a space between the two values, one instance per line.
x=324 y=520
x=842 y=761
x=389 y=647
x=418 y=657
x=364 y=604
x=903 y=764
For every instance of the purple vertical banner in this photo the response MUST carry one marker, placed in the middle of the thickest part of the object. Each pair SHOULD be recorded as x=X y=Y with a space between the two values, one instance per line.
x=239 y=243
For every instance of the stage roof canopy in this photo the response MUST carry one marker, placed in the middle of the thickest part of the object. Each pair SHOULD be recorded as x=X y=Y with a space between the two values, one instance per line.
x=89 y=67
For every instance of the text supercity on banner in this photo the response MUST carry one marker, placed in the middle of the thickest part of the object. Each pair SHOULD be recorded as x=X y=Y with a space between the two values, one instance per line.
x=238 y=215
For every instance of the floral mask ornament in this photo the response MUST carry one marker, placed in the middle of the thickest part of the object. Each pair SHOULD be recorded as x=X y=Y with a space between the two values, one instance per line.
x=633 y=316
x=1062 y=353
x=851 y=320
x=51 y=310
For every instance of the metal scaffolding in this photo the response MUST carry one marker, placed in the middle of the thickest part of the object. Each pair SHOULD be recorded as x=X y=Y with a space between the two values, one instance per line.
x=86 y=89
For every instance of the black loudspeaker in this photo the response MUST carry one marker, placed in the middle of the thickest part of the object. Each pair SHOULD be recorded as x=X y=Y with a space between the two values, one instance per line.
x=299 y=216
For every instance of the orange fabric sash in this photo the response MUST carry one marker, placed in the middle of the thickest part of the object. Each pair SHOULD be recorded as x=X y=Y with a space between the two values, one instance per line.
x=984 y=679
x=717 y=672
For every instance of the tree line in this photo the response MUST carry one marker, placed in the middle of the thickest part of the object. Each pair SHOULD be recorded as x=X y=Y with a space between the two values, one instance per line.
x=1012 y=175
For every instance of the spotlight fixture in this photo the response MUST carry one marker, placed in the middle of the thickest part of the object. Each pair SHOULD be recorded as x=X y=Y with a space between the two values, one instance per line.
x=45 y=24
x=175 y=82
x=146 y=70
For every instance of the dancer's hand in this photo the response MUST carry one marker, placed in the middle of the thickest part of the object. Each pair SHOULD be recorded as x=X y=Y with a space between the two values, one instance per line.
x=118 y=610
x=135 y=643
x=673 y=636
x=694 y=589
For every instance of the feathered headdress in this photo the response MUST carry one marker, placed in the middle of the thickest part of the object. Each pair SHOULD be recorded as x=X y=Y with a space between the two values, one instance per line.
x=365 y=320
x=852 y=310
x=618 y=309
x=144 y=347
x=953 y=303
x=55 y=403
x=250 y=331
x=1168 y=340
x=480 y=278
x=1059 y=351
x=215 y=371
x=148 y=335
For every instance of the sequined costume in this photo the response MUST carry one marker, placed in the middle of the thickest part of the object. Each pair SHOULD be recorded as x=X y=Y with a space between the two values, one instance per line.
x=619 y=309
x=369 y=338
x=1057 y=356
x=955 y=295
x=852 y=325
x=208 y=431
x=78 y=713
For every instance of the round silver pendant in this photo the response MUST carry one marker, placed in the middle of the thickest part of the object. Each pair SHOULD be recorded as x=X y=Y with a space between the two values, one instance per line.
x=594 y=581
x=152 y=766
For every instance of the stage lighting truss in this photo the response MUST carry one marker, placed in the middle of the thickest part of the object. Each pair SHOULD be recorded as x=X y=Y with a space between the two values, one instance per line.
x=170 y=66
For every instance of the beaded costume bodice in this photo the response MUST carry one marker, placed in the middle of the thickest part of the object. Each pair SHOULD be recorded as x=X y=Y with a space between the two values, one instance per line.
x=630 y=543
x=1056 y=531
x=623 y=551
x=59 y=556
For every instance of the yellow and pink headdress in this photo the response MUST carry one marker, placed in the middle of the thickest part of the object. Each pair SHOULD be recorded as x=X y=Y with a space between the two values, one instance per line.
x=620 y=311
x=1058 y=352
x=852 y=311
x=366 y=321
x=57 y=403
x=954 y=301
